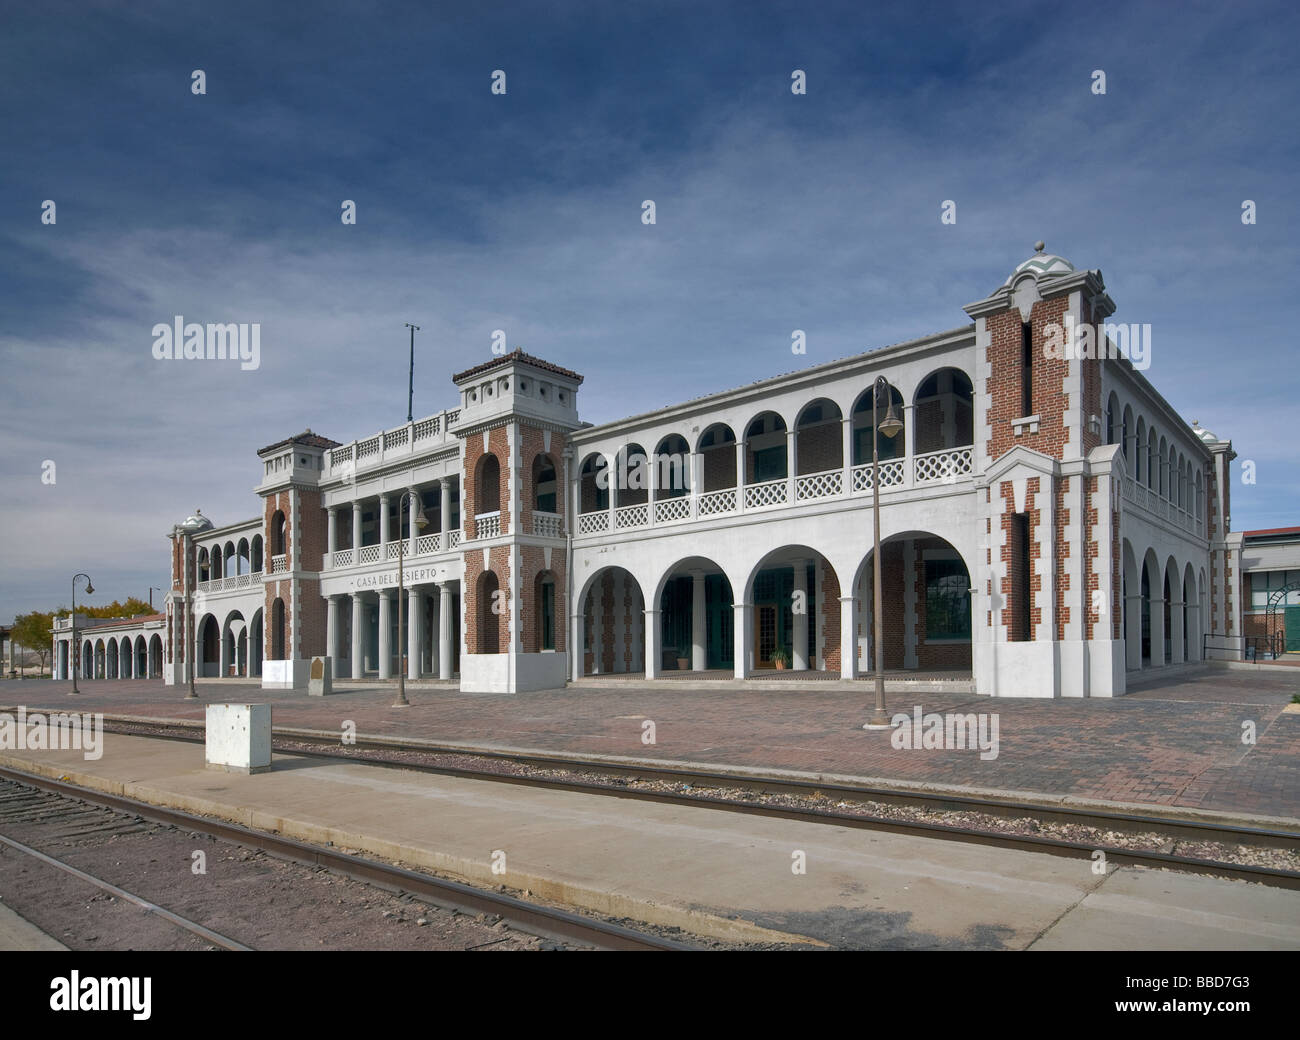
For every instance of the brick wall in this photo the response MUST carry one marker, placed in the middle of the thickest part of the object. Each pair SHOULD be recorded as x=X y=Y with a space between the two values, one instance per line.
x=1004 y=384
x=498 y=445
x=478 y=607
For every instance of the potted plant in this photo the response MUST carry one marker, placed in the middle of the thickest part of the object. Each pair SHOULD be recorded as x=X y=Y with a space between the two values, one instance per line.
x=683 y=662
x=781 y=659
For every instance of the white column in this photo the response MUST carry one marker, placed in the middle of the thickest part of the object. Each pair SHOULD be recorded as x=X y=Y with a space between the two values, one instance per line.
x=444 y=486
x=332 y=536
x=697 y=481
x=909 y=443
x=383 y=524
x=740 y=638
x=577 y=638
x=1133 y=631
x=799 y=661
x=413 y=506
x=413 y=648
x=652 y=621
x=444 y=629
x=846 y=439
x=357 y=627
x=911 y=639
x=1176 y=628
x=848 y=638
x=740 y=473
x=385 y=642
x=791 y=462
x=223 y=655
x=356 y=535
x=332 y=634
x=699 y=623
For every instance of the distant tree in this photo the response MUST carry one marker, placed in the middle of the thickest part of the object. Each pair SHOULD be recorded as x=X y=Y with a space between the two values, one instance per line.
x=133 y=607
x=35 y=632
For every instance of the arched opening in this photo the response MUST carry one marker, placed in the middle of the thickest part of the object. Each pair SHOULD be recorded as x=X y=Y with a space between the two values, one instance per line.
x=1127 y=433
x=257 y=553
x=630 y=480
x=487 y=486
x=923 y=576
x=1141 y=470
x=889 y=448
x=1114 y=435
x=1153 y=462
x=493 y=616
x=100 y=664
x=613 y=628
x=944 y=412
x=593 y=479
x=277 y=534
x=766 y=461
x=819 y=447
x=87 y=660
x=234 y=645
x=229 y=562
x=241 y=558
x=670 y=469
x=203 y=566
x=718 y=470
x=277 y=630
x=546 y=614
x=111 y=660
x=209 y=647
x=546 y=485
x=1168 y=621
x=1191 y=619
x=155 y=655
x=255 y=645
x=793 y=600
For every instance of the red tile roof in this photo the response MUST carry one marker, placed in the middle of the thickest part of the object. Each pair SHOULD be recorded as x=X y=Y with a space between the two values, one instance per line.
x=516 y=355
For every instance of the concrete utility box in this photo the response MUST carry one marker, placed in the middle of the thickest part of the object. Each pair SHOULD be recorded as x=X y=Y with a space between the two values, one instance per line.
x=239 y=737
x=319 y=683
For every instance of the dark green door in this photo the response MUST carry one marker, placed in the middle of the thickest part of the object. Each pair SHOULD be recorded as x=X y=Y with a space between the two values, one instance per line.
x=1292 y=621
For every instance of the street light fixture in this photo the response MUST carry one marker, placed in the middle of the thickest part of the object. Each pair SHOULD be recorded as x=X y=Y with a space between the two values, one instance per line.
x=421 y=522
x=192 y=525
x=890 y=426
x=76 y=650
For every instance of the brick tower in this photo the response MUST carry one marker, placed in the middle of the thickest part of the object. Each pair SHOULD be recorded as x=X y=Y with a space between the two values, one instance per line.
x=515 y=416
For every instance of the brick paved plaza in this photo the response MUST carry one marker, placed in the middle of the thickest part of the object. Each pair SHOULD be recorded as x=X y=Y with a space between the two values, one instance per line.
x=1176 y=743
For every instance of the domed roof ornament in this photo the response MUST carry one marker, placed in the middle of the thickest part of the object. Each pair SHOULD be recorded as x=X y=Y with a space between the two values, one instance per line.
x=1042 y=265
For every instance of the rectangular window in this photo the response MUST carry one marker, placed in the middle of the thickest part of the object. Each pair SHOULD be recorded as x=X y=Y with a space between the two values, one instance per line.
x=769 y=464
x=1021 y=590
x=1026 y=369
x=548 y=616
x=947 y=600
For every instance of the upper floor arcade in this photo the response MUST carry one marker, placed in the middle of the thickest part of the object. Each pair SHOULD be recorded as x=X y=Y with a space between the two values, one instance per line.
x=794 y=442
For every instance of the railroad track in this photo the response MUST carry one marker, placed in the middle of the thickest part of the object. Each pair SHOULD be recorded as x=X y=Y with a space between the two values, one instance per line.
x=75 y=811
x=742 y=793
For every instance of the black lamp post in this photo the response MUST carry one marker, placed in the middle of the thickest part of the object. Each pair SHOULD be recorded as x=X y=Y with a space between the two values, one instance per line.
x=890 y=427
x=75 y=649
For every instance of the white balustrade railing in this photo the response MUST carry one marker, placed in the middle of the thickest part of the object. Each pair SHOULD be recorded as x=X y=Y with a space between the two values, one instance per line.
x=714 y=502
x=454 y=540
x=279 y=564
x=487 y=525
x=632 y=516
x=395 y=438
x=891 y=475
x=342 y=558
x=669 y=509
x=818 y=485
x=428 y=543
x=367 y=448
x=767 y=493
x=427 y=428
x=548 y=525
x=392 y=549
x=593 y=523
x=369 y=554
x=945 y=466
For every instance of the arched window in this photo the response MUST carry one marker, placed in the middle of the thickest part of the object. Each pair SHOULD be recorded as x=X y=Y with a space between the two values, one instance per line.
x=487 y=486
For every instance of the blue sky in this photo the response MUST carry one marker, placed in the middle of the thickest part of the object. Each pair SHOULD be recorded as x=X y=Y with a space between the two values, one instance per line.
x=522 y=212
